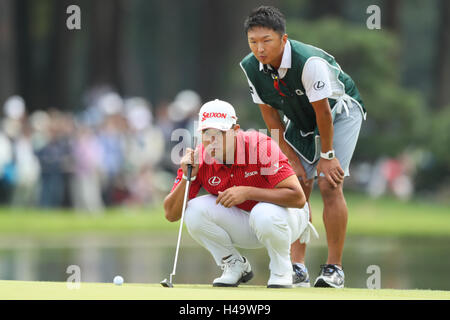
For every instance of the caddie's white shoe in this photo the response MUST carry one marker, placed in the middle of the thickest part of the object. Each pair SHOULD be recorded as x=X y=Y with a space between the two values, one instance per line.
x=280 y=281
x=235 y=271
x=331 y=276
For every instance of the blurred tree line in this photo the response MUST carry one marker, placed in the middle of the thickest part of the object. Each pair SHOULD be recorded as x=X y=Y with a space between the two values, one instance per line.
x=155 y=48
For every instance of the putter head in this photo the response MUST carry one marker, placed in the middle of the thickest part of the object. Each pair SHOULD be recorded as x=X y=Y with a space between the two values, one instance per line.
x=166 y=284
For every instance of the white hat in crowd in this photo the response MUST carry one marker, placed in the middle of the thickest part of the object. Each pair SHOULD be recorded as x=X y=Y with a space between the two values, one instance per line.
x=14 y=107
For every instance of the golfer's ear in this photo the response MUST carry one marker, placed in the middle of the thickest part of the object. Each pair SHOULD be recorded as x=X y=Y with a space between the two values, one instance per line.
x=284 y=38
x=236 y=127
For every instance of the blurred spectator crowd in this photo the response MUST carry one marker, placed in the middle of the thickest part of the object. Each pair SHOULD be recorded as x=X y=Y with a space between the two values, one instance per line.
x=116 y=151
x=119 y=151
x=389 y=175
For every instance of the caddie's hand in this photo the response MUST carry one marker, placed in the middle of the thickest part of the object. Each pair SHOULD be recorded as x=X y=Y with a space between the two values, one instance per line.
x=332 y=171
x=299 y=170
x=191 y=157
x=232 y=196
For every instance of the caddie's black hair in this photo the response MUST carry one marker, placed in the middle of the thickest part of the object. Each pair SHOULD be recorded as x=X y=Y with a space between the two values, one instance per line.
x=267 y=17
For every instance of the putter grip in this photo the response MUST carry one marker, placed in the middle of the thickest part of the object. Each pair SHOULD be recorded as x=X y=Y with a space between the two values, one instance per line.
x=189 y=172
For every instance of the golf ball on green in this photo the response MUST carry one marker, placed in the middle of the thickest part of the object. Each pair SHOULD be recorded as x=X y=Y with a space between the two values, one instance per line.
x=118 y=280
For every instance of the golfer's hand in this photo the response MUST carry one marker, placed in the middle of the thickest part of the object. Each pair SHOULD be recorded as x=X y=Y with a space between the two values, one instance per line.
x=191 y=157
x=299 y=170
x=332 y=171
x=232 y=196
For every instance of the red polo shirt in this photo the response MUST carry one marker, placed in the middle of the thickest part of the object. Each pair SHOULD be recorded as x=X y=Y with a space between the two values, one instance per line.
x=258 y=162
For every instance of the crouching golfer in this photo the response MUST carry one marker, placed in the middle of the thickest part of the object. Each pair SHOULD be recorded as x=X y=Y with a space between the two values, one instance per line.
x=255 y=199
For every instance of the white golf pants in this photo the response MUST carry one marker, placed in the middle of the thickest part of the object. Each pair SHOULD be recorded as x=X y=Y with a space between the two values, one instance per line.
x=220 y=229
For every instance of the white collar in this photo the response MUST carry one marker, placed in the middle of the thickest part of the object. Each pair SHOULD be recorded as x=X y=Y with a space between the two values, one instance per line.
x=286 y=60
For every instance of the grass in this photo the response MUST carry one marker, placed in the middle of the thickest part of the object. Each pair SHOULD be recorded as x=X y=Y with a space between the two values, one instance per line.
x=12 y=290
x=375 y=217
x=390 y=217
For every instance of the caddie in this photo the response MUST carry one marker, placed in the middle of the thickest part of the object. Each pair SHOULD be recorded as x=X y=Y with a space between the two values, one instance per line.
x=323 y=112
x=255 y=199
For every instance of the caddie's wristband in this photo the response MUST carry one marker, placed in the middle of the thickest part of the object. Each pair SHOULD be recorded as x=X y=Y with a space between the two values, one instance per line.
x=192 y=178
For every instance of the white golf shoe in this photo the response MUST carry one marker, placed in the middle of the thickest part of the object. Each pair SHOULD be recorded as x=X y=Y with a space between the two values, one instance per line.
x=331 y=276
x=235 y=271
x=280 y=281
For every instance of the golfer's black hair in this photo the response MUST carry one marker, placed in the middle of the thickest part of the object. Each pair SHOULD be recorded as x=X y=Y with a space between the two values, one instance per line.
x=267 y=17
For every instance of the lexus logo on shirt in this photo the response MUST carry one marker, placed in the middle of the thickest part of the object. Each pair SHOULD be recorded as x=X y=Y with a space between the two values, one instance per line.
x=214 y=181
x=319 y=85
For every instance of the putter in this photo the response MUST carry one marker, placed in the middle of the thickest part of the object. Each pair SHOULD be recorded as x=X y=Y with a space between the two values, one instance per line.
x=165 y=283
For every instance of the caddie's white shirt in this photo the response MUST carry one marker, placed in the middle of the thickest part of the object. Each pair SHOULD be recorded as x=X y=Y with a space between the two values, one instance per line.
x=315 y=77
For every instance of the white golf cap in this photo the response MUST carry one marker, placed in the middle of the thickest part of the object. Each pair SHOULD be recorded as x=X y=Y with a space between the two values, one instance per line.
x=216 y=114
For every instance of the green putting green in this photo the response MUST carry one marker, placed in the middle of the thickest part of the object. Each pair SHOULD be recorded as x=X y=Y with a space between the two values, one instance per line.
x=101 y=291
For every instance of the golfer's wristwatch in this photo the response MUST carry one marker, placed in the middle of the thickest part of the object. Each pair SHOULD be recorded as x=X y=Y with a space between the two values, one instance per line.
x=328 y=155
